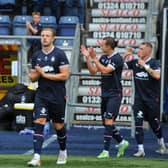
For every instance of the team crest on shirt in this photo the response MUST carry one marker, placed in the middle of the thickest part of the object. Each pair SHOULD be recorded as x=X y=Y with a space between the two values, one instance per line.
x=45 y=58
x=43 y=110
x=53 y=59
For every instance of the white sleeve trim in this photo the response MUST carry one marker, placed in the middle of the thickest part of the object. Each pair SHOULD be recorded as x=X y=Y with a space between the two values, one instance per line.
x=111 y=66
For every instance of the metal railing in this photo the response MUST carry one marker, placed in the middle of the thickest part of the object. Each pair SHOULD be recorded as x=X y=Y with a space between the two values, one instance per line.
x=73 y=83
x=21 y=41
x=163 y=60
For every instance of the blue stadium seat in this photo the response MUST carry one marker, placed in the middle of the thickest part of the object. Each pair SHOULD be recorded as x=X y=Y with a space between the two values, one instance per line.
x=63 y=42
x=19 y=24
x=7 y=5
x=67 y=25
x=5 y=24
x=7 y=2
x=48 y=21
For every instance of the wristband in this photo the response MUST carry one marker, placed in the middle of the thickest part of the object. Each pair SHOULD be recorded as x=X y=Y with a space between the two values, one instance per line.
x=146 y=67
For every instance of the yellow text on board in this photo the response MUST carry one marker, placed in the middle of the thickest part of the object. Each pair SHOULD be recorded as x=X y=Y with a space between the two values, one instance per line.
x=7 y=80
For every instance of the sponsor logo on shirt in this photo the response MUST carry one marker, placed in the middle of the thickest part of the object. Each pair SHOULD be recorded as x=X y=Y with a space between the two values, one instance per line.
x=142 y=75
x=48 y=68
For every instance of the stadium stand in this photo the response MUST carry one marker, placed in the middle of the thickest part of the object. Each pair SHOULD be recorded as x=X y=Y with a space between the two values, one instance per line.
x=19 y=24
x=5 y=24
x=75 y=8
x=49 y=21
x=7 y=5
x=67 y=25
x=7 y=2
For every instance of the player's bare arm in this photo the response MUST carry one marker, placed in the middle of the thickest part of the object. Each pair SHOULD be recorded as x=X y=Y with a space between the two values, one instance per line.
x=91 y=67
x=154 y=73
x=34 y=75
x=101 y=68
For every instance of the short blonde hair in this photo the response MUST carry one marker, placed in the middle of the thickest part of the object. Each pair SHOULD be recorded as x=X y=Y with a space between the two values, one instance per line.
x=36 y=13
x=49 y=29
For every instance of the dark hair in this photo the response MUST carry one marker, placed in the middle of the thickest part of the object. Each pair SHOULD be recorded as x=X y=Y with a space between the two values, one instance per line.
x=111 y=42
x=147 y=44
x=49 y=29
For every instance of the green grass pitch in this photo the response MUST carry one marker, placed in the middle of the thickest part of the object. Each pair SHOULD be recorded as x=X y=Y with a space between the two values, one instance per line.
x=49 y=161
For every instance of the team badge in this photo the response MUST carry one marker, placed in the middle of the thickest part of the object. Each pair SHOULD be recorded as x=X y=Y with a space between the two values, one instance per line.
x=53 y=59
x=43 y=110
x=45 y=58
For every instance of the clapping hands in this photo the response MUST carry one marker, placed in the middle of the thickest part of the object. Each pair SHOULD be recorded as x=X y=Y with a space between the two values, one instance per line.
x=88 y=52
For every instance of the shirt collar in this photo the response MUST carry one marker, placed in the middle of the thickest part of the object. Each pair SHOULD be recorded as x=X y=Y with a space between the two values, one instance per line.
x=148 y=59
x=48 y=51
x=114 y=53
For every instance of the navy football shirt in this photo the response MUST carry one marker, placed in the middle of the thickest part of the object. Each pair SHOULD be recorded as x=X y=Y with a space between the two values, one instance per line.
x=111 y=83
x=146 y=87
x=51 y=90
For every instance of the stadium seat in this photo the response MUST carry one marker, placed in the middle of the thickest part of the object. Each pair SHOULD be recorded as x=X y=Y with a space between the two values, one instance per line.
x=19 y=24
x=63 y=42
x=7 y=2
x=5 y=25
x=48 y=21
x=7 y=5
x=67 y=25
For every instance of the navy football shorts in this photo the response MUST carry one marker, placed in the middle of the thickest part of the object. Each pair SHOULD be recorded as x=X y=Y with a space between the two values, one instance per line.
x=51 y=111
x=110 y=107
x=149 y=110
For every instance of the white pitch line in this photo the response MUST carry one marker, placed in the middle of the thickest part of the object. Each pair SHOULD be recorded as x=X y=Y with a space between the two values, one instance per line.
x=45 y=144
